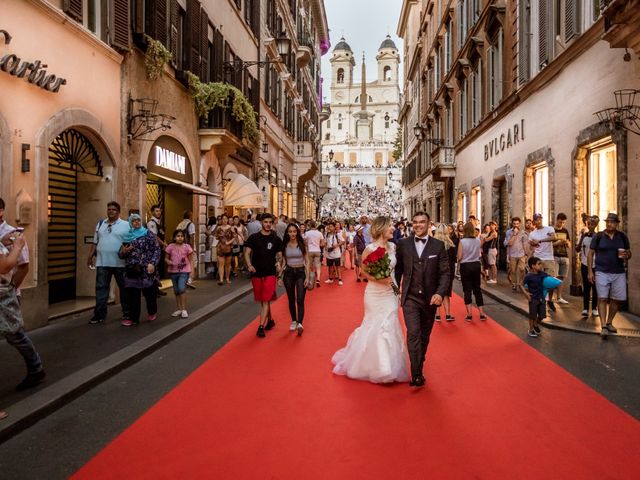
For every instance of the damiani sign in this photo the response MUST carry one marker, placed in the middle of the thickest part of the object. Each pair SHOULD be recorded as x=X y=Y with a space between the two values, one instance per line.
x=170 y=160
x=505 y=140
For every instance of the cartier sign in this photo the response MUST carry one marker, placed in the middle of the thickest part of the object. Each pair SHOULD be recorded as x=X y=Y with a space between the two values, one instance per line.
x=505 y=140
x=34 y=72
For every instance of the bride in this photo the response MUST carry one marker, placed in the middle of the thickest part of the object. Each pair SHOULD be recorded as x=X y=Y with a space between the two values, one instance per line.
x=376 y=350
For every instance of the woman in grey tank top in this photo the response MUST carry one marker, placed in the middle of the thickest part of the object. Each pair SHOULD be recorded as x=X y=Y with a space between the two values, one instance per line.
x=295 y=265
x=469 y=251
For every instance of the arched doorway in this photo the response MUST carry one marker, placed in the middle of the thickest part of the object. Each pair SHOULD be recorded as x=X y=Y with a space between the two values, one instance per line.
x=74 y=167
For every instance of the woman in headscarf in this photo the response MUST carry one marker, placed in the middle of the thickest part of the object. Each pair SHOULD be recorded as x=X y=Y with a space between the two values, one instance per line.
x=141 y=252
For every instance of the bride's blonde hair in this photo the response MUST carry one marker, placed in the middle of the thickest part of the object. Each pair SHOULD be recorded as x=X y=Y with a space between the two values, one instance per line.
x=442 y=234
x=379 y=226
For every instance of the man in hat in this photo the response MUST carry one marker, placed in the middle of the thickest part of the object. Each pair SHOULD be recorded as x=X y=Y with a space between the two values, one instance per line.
x=607 y=271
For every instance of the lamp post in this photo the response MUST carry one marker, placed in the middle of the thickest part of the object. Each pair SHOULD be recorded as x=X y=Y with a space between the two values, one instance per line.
x=283 y=47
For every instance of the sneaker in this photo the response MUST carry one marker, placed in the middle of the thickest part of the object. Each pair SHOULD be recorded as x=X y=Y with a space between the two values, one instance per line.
x=126 y=323
x=365 y=280
x=492 y=281
x=584 y=313
x=611 y=328
x=152 y=318
x=31 y=380
x=177 y=313
x=260 y=333
x=299 y=329
x=437 y=318
x=270 y=324
x=450 y=318
x=514 y=288
x=562 y=301
x=96 y=321
x=551 y=306
x=184 y=314
x=190 y=284
x=340 y=282
x=532 y=333
x=537 y=329
x=293 y=326
x=358 y=280
x=328 y=281
x=604 y=332
x=595 y=313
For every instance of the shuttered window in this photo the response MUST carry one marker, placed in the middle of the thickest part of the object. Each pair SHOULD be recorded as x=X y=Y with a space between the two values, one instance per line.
x=218 y=66
x=74 y=9
x=193 y=37
x=571 y=19
x=121 y=37
x=524 y=42
x=545 y=37
x=204 y=44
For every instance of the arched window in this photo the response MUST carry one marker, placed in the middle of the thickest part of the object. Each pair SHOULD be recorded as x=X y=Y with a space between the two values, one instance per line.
x=387 y=73
x=341 y=75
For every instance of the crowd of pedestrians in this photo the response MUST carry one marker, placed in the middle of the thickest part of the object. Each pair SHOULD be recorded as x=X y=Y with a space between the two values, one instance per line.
x=352 y=201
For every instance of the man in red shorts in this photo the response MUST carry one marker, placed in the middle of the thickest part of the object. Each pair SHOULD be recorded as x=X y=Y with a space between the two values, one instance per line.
x=262 y=251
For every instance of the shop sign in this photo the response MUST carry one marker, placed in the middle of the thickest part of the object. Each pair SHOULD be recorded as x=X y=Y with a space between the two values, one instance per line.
x=505 y=140
x=33 y=72
x=170 y=160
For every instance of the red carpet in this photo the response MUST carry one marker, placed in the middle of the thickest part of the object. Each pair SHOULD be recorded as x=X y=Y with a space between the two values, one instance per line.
x=270 y=408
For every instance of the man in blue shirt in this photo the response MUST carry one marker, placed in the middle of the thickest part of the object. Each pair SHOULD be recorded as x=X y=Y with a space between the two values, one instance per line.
x=610 y=250
x=103 y=256
x=533 y=288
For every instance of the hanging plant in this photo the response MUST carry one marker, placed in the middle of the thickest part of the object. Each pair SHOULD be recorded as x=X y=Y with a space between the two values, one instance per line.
x=207 y=96
x=155 y=58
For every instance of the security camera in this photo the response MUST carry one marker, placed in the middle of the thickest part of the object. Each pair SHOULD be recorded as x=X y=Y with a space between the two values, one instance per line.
x=108 y=178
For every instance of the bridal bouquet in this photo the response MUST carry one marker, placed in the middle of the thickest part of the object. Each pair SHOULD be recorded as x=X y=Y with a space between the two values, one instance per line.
x=378 y=265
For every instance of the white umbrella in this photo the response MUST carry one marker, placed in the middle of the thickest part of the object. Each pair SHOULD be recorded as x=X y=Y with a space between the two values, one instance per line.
x=243 y=193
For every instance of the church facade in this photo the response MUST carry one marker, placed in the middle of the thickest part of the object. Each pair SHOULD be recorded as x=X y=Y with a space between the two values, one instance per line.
x=358 y=137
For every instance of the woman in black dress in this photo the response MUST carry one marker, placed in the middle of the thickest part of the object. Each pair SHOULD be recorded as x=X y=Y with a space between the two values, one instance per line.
x=442 y=233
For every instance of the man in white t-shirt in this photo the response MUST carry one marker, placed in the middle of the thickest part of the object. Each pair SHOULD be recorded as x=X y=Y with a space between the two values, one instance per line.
x=541 y=240
x=333 y=253
x=315 y=242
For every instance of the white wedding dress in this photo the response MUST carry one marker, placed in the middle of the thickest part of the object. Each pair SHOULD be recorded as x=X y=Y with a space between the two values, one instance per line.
x=376 y=350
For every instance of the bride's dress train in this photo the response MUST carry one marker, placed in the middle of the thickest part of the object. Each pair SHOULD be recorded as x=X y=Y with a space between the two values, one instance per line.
x=376 y=350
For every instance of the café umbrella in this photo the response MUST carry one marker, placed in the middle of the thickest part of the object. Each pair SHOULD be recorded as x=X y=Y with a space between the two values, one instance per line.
x=243 y=193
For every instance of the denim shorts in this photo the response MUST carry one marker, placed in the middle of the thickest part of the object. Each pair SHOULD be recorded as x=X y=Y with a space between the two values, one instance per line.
x=179 y=281
x=563 y=266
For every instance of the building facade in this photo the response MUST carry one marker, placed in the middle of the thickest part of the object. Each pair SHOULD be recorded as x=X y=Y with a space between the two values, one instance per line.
x=98 y=105
x=360 y=132
x=509 y=91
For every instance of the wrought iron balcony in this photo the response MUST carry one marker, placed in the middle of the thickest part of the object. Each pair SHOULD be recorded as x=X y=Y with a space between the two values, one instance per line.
x=219 y=130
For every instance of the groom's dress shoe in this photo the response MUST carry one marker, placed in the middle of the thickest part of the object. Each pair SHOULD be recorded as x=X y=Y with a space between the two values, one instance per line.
x=417 y=381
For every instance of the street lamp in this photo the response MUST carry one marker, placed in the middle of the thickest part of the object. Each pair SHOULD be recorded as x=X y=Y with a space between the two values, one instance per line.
x=419 y=131
x=626 y=114
x=330 y=155
x=283 y=47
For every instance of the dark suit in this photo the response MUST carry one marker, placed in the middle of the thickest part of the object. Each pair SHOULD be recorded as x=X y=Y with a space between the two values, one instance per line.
x=422 y=277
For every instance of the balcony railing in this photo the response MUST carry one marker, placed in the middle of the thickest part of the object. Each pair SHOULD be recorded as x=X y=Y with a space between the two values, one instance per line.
x=221 y=118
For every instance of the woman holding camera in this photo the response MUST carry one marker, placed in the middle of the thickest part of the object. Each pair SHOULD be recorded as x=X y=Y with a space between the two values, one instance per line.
x=141 y=253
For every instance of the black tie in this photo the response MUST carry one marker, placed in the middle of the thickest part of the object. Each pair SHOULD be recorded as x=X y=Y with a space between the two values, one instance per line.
x=423 y=240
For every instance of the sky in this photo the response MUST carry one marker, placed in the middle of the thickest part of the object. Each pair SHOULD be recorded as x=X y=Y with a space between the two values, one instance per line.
x=364 y=25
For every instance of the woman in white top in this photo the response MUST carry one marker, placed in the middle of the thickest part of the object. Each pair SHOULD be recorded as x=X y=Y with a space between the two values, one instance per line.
x=349 y=234
x=469 y=252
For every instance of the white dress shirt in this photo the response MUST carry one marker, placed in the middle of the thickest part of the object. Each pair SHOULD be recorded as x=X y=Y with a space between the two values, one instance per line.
x=420 y=246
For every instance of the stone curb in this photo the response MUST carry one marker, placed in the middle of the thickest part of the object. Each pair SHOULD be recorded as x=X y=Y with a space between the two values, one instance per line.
x=37 y=406
x=551 y=324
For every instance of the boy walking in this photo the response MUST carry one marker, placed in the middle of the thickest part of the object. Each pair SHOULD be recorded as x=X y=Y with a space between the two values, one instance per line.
x=533 y=282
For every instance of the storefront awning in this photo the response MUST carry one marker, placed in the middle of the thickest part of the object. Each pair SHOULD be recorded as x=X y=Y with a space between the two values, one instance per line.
x=186 y=186
x=242 y=192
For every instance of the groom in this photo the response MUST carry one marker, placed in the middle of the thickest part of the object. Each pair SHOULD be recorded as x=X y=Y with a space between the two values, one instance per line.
x=423 y=267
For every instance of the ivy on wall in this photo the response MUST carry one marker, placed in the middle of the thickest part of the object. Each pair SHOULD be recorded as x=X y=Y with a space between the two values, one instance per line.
x=208 y=96
x=155 y=58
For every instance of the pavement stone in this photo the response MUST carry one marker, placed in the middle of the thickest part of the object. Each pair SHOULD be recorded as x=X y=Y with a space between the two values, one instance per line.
x=567 y=317
x=77 y=355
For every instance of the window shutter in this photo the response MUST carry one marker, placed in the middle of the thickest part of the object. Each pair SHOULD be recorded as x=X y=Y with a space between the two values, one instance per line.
x=571 y=17
x=218 y=46
x=73 y=8
x=120 y=24
x=161 y=22
x=544 y=27
x=523 y=43
x=204 y=45
x=193 y=37
x=174 y=14
x=150 y=17
x=255 y=18
x=255 y=93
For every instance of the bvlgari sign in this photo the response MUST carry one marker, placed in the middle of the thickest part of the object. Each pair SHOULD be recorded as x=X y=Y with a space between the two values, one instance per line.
x=505 y=140
x=34 y=72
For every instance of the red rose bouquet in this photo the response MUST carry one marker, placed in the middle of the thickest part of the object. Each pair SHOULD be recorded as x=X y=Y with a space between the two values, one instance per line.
x=378 y=265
